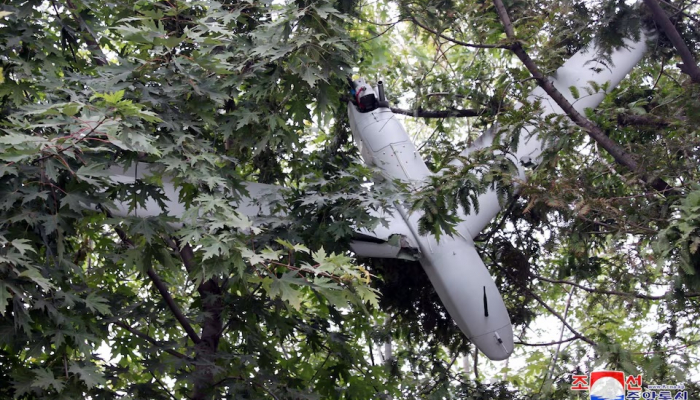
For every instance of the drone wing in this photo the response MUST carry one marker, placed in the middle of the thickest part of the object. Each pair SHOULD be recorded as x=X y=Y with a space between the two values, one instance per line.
x=393 y=239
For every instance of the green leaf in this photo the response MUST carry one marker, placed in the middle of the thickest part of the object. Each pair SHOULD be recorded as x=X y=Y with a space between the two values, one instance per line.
x=319 y=256
x=283 y=288
x=111 y=98
x=44 y=379
x=368 y=294
x=88 y=374
x=5 y=296
x=574 y=92
x=98 y=304
x=324 y=10
x=285 y=243
x=23 y=246
x=310 y=76
x=72 y=109
x=149 y=116
x=35 y=276
x=87 y=172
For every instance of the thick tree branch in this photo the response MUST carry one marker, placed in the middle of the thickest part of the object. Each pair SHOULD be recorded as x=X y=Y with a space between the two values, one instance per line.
x=421 y=113
x=212 y=326
x=645 y=120
x=505 y=19
x=609 y=292
x=456 y=41
x=151 y=340
x=618 y=153
x=163 y=290
x=689 y=65
x=451 y=113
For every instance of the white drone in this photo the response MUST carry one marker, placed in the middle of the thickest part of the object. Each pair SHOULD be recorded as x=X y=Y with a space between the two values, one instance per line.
x=452 y=264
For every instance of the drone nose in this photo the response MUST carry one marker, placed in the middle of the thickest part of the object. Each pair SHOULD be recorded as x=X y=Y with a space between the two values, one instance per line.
x=496 y=345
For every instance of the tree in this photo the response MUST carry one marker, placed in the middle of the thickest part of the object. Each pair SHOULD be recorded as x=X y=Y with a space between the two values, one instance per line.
x=213 y=94
x=598 y=224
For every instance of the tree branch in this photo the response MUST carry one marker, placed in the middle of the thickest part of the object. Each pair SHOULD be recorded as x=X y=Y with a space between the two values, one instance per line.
x=456 y=41
x=609 y=292
x=162 y=386
x=681 y=11
x=89 y=35
x=248 y=381
x=382 y=32
x=558 y=342
x=451 y=113
x=163 y=290
x=561 y=336
x=689 y=65
x=441 y=379
x=212 y=326
x=614 y=149
x=562 y=319
x=150 y=340
x=646 y=120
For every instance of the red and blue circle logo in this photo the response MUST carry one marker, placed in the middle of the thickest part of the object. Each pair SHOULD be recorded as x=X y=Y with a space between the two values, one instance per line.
x=607 y=385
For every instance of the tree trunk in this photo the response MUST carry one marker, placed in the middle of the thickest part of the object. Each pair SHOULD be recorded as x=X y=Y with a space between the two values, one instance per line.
x=206 y=350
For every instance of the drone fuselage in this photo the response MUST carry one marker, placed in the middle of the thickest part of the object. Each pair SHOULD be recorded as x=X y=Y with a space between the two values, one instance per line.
x=453 y=265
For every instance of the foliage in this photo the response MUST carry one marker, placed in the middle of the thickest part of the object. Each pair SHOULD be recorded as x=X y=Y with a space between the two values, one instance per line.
x=212 y=94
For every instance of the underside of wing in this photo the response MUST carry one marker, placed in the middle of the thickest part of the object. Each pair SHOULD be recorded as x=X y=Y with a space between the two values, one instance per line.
x=393 y=239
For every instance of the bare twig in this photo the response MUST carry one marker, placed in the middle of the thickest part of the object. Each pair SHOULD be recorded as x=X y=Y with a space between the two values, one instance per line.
x=445 y=94
x=609 y=292
x=389 y=26
x=571 y=339
x=680 y=10
x=561 y=334
x=442 y=379
x=485 y=237
x=150 y=340
x=562 y=319
x=72 y=145
x=323 y=364
x=456 y=41
x=162 y=385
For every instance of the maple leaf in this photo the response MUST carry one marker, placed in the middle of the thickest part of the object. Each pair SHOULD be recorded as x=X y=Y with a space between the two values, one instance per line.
x=44 y=379
x=88 y=374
